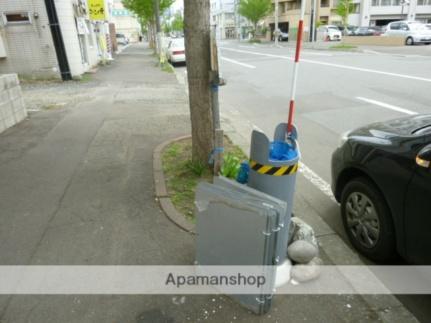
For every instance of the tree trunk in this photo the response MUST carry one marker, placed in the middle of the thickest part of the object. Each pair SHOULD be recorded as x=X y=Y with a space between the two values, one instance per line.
x=150 y=36
x=157 y=25
x=197 y=35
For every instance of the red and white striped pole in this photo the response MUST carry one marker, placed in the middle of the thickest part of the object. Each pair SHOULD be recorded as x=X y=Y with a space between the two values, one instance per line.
x=295 y=67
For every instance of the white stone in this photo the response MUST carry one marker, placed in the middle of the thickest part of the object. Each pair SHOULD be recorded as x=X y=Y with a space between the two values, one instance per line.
x=307 y=272
x=299 y=230
x=302 y=251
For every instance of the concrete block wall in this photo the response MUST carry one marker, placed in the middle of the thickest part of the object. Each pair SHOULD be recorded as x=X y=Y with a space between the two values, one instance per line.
x=29 y=47
x=12 y=106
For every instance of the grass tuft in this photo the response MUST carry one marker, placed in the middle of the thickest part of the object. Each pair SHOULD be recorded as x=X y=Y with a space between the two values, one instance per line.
x=183 y=175
x=343 y=47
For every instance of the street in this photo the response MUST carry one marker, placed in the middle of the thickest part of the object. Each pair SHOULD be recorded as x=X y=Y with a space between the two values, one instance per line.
x=337 y=92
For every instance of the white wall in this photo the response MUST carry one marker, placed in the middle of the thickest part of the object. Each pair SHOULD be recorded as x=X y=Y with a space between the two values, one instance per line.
x=70 y=36
x=29 y=47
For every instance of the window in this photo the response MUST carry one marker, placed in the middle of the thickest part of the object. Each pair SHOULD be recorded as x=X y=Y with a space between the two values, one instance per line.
x=396 y=2
x=404 y=26
x=324 y=3
x=293 y=5
x=17 y=18
x=375 y=3
x=424 y=2
x=385 y=2
x=356 y=8
x=90 y=34
x=395 y=26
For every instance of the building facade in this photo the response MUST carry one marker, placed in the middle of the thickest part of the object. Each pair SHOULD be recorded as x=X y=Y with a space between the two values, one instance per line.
x=29 y=47
x=125 y=22
x=365 y=13
x=223 y=18
x=382 y=12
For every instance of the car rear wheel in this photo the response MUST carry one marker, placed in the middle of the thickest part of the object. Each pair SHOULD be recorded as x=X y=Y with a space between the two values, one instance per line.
x=409 y=41
x=367 y=220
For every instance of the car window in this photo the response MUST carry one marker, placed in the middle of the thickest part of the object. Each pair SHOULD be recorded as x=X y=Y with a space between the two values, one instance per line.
x=395 y=26
x=333 y=28
x=404 y=26
x=178 y=43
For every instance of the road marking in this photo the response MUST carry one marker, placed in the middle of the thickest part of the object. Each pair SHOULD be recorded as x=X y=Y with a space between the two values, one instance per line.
x=317 y=181
x=238 y=63
x=387 y=106
x=369 y=51
x=347 y=67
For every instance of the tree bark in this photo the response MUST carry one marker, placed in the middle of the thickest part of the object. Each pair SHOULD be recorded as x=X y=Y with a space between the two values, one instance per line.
x=156 y=4
x=197 y=39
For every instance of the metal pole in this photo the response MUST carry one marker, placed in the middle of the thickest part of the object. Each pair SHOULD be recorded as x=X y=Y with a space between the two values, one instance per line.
x=313 y=16
x=238 y=20
x=310 y=36
x=276 y=22
x=215 y=82
x=295 y=68
x=58 y=41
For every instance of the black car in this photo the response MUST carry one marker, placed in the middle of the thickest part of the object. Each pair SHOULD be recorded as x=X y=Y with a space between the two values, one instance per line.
x=368 y=31
x=381 y=175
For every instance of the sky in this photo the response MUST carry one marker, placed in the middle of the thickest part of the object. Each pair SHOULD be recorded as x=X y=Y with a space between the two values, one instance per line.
x=178 y=4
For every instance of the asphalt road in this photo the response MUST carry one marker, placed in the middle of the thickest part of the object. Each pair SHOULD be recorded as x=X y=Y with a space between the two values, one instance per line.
x=336 y=92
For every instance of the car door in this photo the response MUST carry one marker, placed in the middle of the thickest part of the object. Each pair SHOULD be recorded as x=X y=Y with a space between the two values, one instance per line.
x=394 y=29
x=404 y=29
x=417 y=215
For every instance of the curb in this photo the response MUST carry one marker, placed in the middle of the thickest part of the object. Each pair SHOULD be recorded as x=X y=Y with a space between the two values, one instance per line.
x=162 y=195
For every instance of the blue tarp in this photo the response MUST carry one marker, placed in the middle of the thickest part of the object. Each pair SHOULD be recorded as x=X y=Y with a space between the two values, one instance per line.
x=280 y=150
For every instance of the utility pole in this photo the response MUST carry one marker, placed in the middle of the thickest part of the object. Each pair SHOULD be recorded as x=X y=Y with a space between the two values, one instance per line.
x=404 y=3
x=156 y=4
x=237 y=20
x=276 y=22
x=57 y=38
x=313 y=21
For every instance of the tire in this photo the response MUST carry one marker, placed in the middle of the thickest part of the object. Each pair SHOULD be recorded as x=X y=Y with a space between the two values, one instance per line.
x=364 y=222
x=410 y=41
x=280 y=38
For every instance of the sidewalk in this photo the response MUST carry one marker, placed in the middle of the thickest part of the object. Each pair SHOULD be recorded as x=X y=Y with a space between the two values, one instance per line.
x=77 y=189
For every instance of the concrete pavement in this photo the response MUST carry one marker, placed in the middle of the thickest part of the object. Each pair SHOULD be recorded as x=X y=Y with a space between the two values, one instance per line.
x=77 y=189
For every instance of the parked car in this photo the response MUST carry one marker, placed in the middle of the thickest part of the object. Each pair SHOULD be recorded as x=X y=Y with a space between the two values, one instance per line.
x=328 y=32
x=283 y=36
x=368 y=31
x=413 y=32
x=176 y=52
x=381 y=175
x=347 y=31
x=428 y=26
x=122 y=39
